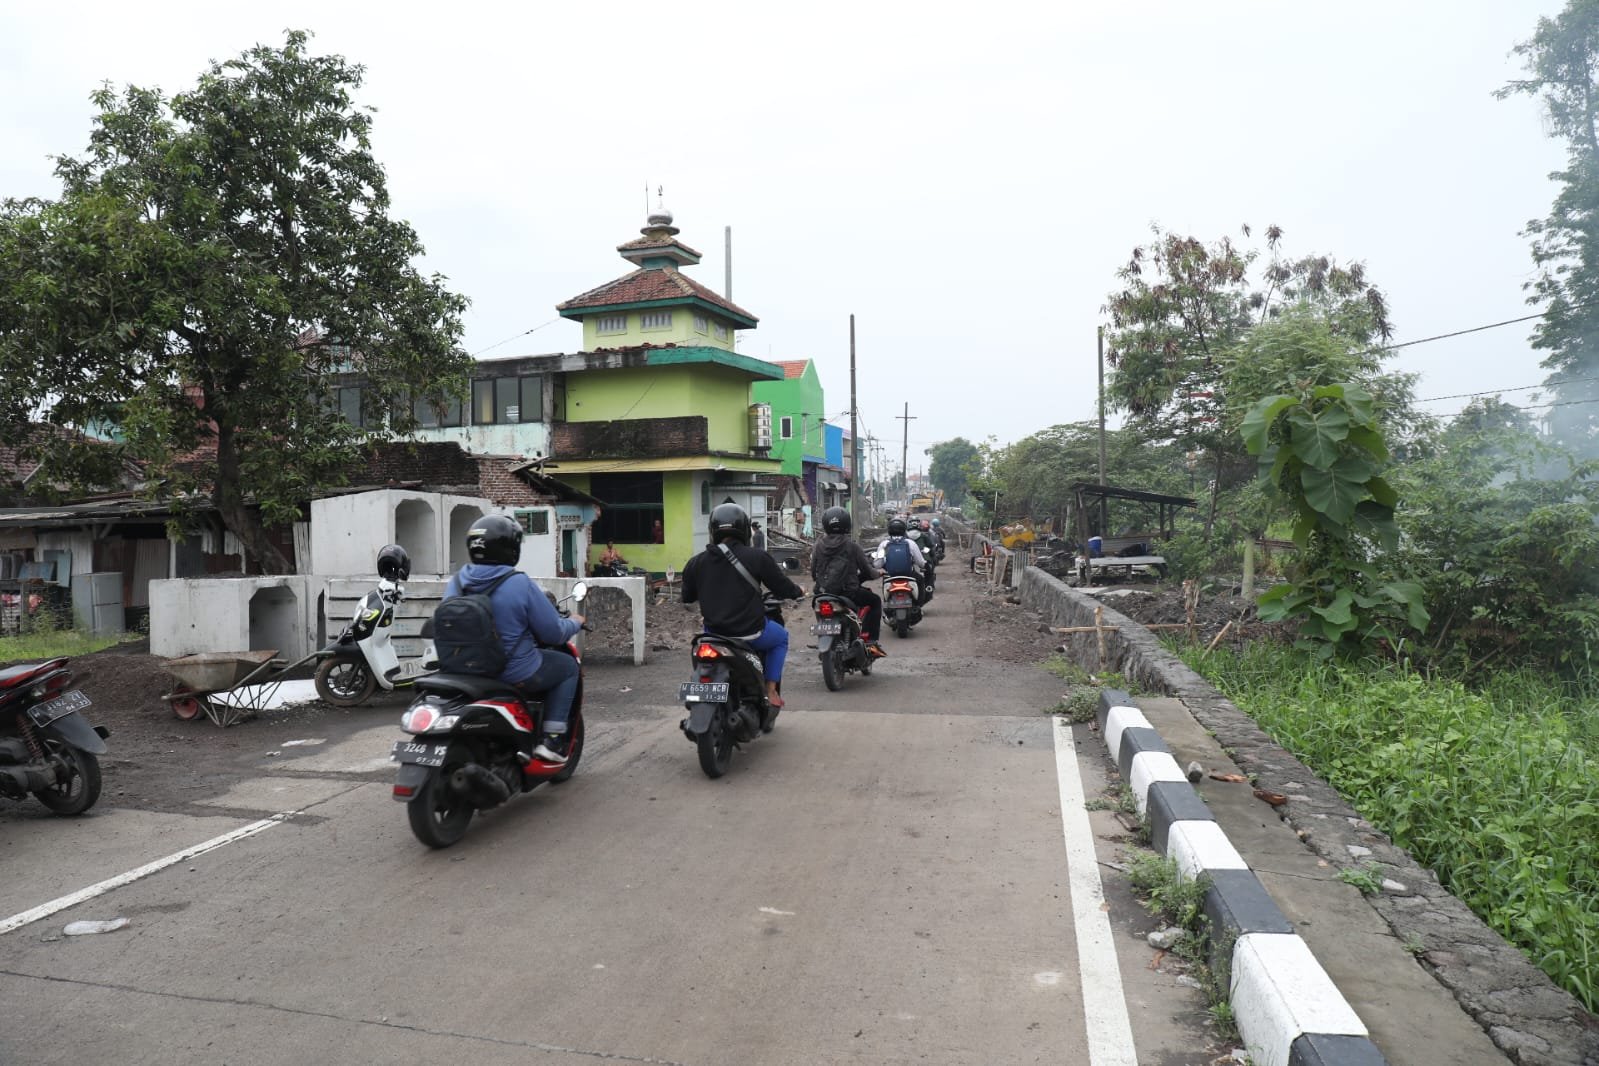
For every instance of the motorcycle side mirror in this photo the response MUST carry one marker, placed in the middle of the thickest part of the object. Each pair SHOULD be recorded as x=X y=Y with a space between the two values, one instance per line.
x=580 y=591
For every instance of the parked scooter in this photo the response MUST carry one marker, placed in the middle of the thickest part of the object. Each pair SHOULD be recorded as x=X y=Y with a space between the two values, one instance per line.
x=470 y=746
x=47 y=747
x=726 y=702
x=363 y=659
x=839 y=644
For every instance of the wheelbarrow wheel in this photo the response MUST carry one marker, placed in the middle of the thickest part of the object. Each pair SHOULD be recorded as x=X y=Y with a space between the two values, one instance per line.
x=184 y=705
x=345 y=682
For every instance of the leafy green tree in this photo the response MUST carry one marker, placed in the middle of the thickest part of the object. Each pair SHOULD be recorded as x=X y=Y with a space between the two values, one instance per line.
x=212 y=262
x=951 y=466
x=1323 y=451
x=1562 y=61
x=1184 y=305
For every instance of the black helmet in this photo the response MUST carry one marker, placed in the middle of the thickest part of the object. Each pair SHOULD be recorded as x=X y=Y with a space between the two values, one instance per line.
x=835 y=520
x=394 y=564
x=896 y=527
x=730 y=520
x=495 y=538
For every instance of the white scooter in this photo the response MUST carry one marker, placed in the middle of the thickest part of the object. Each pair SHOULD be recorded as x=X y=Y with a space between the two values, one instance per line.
x=363 y=659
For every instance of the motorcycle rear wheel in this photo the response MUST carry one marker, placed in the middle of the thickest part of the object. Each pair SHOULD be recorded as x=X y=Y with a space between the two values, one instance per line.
x=82 y=787
x=833 y=668
x=437 y=818
x=716 y=744
x=575 y=752
x=345 y=682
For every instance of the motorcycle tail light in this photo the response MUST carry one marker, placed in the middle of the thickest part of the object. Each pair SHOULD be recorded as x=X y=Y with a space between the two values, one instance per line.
x=825 y=608
x=418 y=719
x=707 y=651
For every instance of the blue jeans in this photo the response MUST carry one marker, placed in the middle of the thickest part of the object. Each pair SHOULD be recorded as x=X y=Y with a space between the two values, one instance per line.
x=773 y=646
x=555 y=682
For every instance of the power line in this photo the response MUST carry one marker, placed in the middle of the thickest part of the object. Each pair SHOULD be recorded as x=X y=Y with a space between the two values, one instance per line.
x=1518 y=388
x=508 y=340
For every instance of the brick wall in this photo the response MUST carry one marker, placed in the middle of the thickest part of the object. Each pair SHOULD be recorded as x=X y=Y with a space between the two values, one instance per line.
x=631 y=438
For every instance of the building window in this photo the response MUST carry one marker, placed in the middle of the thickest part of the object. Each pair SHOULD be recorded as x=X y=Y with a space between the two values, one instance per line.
x=611 y=324
x=431 y=416
x=655 y=320
x=534 y=523
x=508 y=400
x=350 y=405
x=701 y=324
x=632 y=507
x=719 y=331
x=786 y=428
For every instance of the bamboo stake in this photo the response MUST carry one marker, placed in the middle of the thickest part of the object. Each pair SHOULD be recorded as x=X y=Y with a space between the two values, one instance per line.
x=1085 y=629
x=1099 y=626
x=1212 y=646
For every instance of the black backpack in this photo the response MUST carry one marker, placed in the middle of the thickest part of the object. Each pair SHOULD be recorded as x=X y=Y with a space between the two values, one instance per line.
x=838 y=573
x=464 y=636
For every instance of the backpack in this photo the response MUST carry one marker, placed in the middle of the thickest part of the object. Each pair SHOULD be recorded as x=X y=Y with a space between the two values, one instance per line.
x=897 y=558
x=464 y=636
x=838 y=573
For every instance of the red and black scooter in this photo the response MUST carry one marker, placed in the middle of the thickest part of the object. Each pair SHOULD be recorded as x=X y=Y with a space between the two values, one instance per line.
x=47 y=747
x=469 y=745
x=839 y=644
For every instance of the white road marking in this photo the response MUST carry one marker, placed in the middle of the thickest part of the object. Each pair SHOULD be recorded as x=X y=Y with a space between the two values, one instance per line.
x=769 y=910
x=1110 y=1034
x=44 y=910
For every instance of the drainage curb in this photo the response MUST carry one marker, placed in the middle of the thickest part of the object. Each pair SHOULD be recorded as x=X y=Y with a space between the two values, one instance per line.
x=1287 y=1008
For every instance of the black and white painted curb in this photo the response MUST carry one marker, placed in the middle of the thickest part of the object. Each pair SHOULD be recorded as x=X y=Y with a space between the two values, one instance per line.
x=1287 y=1009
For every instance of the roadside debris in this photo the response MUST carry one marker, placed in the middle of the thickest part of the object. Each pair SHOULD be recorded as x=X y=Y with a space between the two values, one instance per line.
x=86 y=928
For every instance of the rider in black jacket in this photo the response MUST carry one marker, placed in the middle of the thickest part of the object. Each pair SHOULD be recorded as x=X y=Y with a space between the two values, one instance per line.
x=733 y=606
x=839 y=566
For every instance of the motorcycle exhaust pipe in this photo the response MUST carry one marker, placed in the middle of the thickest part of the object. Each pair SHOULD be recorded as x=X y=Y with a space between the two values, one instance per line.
x=17 y=781
x=480 y=784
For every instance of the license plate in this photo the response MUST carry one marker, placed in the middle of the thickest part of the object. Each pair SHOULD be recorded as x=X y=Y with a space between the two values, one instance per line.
x=824 y=629
x=62 y=705
x=899 y=600
x=702 y=692
x=418 y=754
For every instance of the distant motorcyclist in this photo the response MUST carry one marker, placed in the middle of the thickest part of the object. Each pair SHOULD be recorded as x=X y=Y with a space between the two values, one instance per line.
x=839 y=566
x=917 y=533
x=901 y=555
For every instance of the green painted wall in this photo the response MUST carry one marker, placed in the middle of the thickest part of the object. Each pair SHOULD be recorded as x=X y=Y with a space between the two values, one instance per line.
x=789 y=398
x=681 y=331
x=719 y=393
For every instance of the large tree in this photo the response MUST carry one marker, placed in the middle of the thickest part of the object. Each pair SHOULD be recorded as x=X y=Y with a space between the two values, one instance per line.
x=1185 y=305
x=213 y=261
x=950 y=467
x=1562 y=61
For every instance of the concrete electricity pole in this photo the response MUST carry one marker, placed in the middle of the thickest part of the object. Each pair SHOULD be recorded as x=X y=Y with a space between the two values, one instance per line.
x=904 y=449
x=856 y=480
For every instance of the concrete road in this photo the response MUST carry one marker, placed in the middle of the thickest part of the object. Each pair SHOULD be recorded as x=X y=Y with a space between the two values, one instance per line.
x=884 y=879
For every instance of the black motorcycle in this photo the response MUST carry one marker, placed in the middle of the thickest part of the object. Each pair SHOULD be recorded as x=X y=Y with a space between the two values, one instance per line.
x=470 y=746
x=839 y=644
x=727 y=703
x=47 y=747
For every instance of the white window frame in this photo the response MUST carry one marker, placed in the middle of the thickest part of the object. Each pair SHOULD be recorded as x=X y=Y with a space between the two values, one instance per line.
x=653 y=320
x=719 y=330
x=786 y=427
x=611 y=324
x=701 y=324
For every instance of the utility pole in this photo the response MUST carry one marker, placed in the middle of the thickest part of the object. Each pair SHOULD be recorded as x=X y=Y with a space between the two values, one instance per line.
x=728 y=260
x=1102 y=405
x=856 y=480
x=904 y=449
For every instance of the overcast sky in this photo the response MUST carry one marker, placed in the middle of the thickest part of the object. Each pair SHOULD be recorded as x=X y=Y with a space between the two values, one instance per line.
x=965 y=179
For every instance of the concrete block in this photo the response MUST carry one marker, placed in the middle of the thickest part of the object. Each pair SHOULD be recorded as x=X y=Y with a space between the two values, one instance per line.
x=1201 y=848
x=1136 y=741
x=1169 y=802
x=1321 y=1049
x=1148 y=768
x=1237 y=904
x=1108 y=698
x=1280 y=992
x=1117 y=721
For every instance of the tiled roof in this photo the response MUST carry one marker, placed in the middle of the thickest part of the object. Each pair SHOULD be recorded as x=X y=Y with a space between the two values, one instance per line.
x=643 y=286
x=644 y=243
x=792 y=368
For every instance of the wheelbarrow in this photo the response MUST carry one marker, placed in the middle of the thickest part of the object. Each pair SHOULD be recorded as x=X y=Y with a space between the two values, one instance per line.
x=228 y=687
